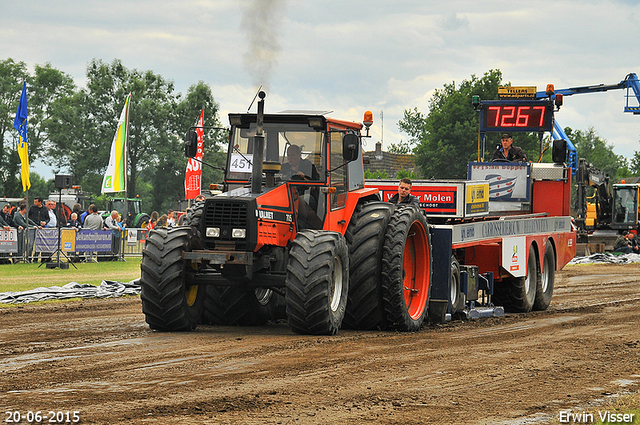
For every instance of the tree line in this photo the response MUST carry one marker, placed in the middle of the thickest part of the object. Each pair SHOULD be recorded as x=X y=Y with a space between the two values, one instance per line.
x=71 y=129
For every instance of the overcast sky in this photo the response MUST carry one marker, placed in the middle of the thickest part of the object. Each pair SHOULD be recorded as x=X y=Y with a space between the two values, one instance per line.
x=346 y=56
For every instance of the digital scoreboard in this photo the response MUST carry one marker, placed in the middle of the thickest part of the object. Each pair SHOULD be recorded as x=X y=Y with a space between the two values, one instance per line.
x=516 y=115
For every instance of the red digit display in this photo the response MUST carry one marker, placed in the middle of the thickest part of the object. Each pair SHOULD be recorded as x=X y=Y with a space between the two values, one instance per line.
x=517 y=117
x=508 y=112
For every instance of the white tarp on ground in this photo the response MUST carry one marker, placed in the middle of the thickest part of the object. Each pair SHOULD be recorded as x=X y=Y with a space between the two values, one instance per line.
x=107 y=289
x=606 y=257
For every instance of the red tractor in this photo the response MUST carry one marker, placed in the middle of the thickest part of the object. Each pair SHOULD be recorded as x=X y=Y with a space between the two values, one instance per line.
x=295 y=235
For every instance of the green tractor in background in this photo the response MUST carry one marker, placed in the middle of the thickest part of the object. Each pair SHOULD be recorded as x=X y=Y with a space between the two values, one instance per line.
x=131 y=211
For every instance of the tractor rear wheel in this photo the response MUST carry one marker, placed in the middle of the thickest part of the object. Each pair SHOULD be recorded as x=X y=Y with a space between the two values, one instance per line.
x=406 y=269
x=544 y=290
x=141 y=221
x=517 y=295
x=365 y=238
x=168 y=302
x=317 y=282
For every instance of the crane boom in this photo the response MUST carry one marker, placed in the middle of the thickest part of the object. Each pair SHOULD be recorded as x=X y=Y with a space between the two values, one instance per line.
x=630 y=83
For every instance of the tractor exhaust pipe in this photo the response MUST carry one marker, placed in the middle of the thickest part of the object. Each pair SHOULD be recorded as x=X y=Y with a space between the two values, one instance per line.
x=258 y=148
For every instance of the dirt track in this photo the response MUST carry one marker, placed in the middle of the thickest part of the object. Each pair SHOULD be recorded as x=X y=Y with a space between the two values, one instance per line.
x=99 y=358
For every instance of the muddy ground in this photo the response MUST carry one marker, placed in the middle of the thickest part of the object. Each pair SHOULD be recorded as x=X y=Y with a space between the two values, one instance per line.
x=99 y=358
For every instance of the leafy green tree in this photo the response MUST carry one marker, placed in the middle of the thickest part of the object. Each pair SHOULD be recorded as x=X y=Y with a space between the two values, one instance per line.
x=447 y=137
x=40 y=186
x=83 y=126
x=598 y=152
x=377 y=174
x=401 y=174
x=634 y=164
x=168 y=174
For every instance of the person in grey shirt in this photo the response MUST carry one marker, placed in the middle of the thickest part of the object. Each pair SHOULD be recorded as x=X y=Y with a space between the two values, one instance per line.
x=93 y=221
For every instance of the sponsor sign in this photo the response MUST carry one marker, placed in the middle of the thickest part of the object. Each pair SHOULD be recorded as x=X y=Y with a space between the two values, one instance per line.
x=507 y=181
x=482 y=230
x=68 y=240
x=93 y=241
x=524 y=92
x=477 y=200
x=72 y=241
x=514 y=254
x=9 y=240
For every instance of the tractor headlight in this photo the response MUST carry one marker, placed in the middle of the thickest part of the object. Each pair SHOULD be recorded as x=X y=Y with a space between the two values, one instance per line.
x=213 y=232
x=239 y=233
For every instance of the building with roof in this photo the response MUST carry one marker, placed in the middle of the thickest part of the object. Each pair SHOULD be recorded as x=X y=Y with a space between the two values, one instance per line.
x=389 y=163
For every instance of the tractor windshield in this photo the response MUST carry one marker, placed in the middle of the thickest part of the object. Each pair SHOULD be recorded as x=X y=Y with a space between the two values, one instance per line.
x=296 y=147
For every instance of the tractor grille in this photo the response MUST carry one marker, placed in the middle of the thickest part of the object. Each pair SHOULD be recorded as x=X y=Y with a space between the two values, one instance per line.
x=223 y=214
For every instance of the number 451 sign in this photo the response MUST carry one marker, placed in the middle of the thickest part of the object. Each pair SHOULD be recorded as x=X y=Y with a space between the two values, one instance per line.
x=241 y=163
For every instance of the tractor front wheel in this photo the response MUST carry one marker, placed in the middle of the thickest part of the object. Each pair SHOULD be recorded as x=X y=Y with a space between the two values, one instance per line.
x=317 y=282
x=168 y=301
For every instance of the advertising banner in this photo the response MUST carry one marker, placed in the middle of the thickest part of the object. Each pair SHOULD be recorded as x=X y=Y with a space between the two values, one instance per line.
x=46 y=240
x=9 y=240
x=507 y=181
x=93 y=241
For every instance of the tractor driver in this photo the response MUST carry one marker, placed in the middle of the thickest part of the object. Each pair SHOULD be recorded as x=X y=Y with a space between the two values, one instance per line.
x=297 y=168
x=507 y=151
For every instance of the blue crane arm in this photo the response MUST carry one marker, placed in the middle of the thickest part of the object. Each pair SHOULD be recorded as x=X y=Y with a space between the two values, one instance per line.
x=630 y=83
x=634 y=85
x=572 y=152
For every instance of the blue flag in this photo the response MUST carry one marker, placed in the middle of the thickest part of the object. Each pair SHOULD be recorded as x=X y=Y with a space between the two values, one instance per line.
x=20 y=124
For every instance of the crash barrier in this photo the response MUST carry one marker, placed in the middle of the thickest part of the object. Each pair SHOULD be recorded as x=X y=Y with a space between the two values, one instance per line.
x=80 y=244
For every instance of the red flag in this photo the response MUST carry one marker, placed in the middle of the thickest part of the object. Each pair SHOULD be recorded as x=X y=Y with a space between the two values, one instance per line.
x=192 y=179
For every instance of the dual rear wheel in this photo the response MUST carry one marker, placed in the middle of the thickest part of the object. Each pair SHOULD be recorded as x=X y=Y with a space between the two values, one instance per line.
x=534 y=290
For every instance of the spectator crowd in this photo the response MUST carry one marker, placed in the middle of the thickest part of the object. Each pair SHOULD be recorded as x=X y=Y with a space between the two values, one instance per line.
x=46 y=214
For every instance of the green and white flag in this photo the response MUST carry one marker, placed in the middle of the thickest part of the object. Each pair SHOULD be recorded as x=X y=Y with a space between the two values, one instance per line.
x=115 y=179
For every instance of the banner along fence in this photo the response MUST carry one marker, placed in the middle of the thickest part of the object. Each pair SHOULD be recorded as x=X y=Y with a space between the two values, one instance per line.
x=128 y=243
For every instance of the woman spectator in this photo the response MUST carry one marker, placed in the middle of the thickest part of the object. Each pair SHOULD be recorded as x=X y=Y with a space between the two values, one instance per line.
x=152 y=221
x=162 y=221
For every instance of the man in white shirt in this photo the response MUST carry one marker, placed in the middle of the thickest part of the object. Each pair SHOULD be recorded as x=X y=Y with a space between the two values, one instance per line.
x=53 y=220
x=171 y=221
x=112 y=223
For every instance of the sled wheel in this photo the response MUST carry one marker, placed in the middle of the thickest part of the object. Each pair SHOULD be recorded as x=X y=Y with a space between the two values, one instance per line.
x=517 y=295
x=457 y=296
x=544 y=290
x=406 y=269
x=365 y=238
x=317 y=282
x=168 y=302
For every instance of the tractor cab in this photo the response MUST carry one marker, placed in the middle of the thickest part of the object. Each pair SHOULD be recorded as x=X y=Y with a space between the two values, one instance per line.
x=131 y=211
x=625 y=206
x=284 y=173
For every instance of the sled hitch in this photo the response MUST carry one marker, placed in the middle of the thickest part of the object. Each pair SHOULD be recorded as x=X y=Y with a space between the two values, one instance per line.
x=478 y=289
